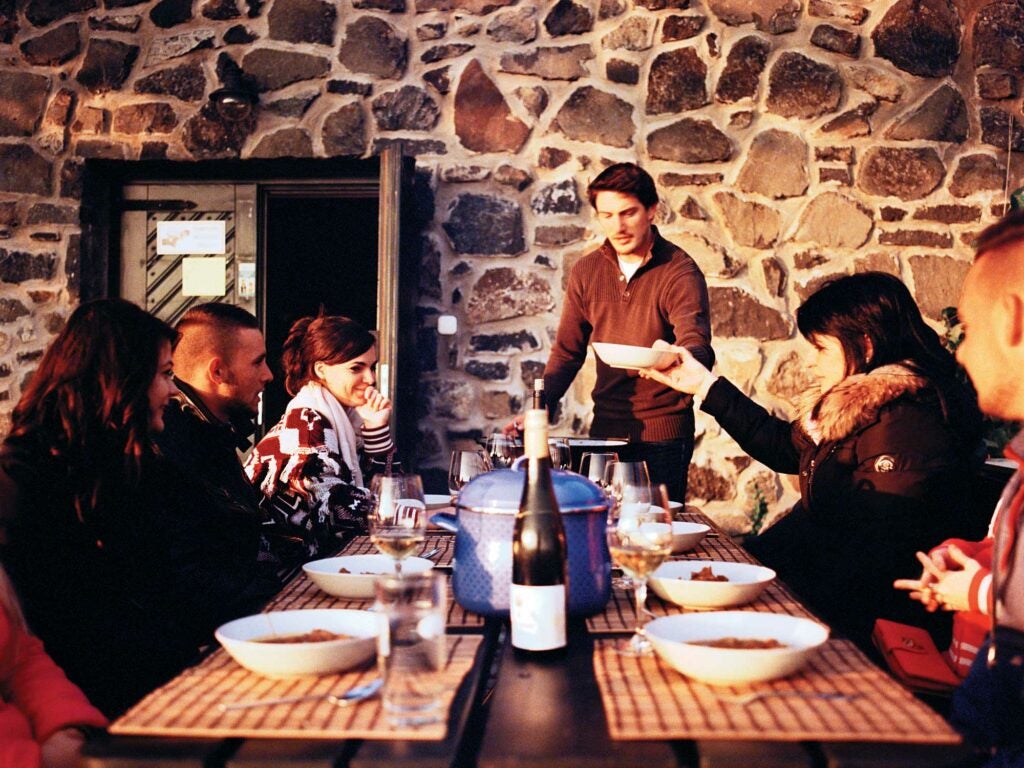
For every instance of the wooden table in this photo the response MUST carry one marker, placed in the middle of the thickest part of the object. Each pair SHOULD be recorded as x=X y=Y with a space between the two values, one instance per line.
x=512 y=711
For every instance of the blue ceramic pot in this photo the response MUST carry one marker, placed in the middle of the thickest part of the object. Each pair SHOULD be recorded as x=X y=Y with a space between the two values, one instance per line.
x=484 y=521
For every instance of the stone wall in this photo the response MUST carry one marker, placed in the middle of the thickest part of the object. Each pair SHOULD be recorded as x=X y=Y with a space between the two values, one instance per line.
x=792 y=140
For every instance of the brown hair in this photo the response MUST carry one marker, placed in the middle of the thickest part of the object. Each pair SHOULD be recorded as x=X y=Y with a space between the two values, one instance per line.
x=332 y=339
x=88 y=401
x=209 y=329
x=627 y=178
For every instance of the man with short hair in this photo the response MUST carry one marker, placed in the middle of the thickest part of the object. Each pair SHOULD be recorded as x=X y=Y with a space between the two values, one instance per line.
x=220 y=365
x=636 y=288
x=988 y=576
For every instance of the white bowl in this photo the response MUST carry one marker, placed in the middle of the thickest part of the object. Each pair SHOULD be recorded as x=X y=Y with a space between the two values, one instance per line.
x=240 y=638
x=686 y=536
x=746 y=582
x=627 y=356
x=437 y=500
x=363 y=571
x=673 y=639
x=675 y=506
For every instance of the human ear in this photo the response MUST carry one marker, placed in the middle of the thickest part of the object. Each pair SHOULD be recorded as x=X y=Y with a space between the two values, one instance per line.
x=216 y=370
x=1013 y=320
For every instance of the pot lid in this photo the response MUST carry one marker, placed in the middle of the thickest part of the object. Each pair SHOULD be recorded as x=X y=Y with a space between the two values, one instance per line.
x=500 y=490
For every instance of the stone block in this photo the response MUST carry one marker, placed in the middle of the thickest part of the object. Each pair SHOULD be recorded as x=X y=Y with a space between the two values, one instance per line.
x=836 y=40
x=107 y=64
x=801 y=87
x=938 y=281
x=21 y=266
x=592 y=115
x=921 y=37
x=568 y=18
x=996 y=85
x=503 y=293
x=690 y=141
x=999 y=35
x=302 y=21
x=677 y=82
x=344 y=131
x=186 y=82
x=916 y=237
x=483 y=120
x=749 y=223
x=408 y=108
x=54 y=47
x=681 y=27
x=940 y=117
x=22 y=98
x=908 y=174
x=549 y=63
x=374 y=47
x=949 y=214
x=776 y=165
x=743 y=68
x=976 y=173
x=833 y=220
x=22 y=170
x=486 y=225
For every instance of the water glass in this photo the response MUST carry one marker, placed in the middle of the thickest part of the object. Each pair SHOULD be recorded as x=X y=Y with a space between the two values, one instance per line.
x=561 y=454
x=411 y=648
x=503 y=450
x=464 y=466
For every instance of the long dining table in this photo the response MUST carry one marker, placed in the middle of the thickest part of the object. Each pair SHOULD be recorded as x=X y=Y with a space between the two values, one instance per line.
x=588 y=707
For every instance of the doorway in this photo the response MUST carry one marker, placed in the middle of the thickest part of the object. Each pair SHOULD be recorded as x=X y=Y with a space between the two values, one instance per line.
x=319 y=253
x=297 y=234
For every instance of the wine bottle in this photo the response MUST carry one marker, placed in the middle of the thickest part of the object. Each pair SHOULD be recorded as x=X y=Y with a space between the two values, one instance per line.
x=539 y=591
x=539 y=402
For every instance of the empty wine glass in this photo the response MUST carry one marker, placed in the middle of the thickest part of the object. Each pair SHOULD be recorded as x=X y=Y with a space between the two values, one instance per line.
x=561 y=455
x=398 y=520
x=639 y=540
x=594 y=465
x=464 y=466
x=503 y=450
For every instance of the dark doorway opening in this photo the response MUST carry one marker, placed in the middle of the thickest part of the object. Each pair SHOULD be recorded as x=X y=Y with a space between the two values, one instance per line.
x=320 y=251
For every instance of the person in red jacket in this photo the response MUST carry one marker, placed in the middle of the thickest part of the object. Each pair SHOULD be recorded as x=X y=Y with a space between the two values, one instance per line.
x=988 y=576
x=42 y=713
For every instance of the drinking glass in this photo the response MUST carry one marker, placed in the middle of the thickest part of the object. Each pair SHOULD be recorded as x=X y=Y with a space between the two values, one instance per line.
x=411 y=650
x=594 y=465
x=626 y=483
x=464 y=466
x=561 y=455
x=503 y=450
x=398 y=520
x=639 y=540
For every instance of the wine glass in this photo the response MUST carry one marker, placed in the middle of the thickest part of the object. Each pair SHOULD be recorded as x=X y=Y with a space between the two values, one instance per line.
x=639 y=540
x=503 y=450
x=398 y=520
x=464 y=466
x=626 y=483
x=593 y=466
x=561 y=455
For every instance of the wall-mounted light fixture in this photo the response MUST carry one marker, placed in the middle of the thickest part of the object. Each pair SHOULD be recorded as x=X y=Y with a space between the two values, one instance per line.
x=236 y=98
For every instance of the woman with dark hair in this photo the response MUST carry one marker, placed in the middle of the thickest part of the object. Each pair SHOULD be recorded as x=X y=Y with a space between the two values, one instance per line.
x=310 y=467
x=884 y=451
x=119 y=572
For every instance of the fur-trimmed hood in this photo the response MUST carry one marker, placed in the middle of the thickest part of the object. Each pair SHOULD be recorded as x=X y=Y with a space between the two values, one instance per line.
x=855 y=401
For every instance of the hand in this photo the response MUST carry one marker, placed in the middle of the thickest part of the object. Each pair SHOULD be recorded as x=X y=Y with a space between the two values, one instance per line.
x=685 y=376
x=921 y=587
x=376 y=411
x=62 y=749
x=946 y=581
x=513 y=428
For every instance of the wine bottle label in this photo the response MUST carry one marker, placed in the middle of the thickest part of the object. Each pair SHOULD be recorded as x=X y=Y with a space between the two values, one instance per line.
x=538 y=617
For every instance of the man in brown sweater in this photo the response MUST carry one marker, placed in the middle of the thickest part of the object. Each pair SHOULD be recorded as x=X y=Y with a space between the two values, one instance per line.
x=634 y=289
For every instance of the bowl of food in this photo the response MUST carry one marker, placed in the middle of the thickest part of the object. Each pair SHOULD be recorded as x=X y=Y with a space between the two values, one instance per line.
x=353 y=576
x=686 y=536
x=628 y=356
x=710 y=583
x=735 y=647
x=304 y=642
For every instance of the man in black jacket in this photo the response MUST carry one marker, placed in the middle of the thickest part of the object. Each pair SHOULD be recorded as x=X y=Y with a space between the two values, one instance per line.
x=220 y=363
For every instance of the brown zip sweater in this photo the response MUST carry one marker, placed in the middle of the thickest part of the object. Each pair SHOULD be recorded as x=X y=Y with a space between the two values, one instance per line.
x=666 y=298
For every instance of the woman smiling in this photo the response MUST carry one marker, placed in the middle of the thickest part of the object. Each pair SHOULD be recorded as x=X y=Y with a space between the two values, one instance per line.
x=310 y=467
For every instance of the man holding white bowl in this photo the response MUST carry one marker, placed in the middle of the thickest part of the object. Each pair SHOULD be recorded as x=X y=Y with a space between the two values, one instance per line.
x=634 y=289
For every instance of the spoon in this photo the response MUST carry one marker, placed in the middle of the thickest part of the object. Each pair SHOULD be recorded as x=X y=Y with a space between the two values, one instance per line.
x=351 y=696
x=749 y=698
x=431 y=553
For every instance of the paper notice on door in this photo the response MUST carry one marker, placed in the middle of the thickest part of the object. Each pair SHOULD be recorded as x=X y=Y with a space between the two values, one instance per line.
x=184 y=237
x=203 y=276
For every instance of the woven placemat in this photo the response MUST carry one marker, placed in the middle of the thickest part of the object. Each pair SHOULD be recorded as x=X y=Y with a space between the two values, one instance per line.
x=646 y=699
x=302 y=593
x=188 y=704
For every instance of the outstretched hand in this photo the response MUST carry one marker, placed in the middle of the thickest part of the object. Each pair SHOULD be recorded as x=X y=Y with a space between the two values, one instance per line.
x=945 y=581
x=685 y=376
x=376 y=411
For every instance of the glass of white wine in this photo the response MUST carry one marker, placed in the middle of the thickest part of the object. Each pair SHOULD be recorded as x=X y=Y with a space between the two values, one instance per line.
x=398 y=520
x=640 y=539
x=464 y=466
x=627 y=484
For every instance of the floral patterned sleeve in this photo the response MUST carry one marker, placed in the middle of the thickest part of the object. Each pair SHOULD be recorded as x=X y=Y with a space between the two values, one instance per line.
x=307 y=494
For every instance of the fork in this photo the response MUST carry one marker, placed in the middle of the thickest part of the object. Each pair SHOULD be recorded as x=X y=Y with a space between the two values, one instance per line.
x=749 y=698
x=351 y=696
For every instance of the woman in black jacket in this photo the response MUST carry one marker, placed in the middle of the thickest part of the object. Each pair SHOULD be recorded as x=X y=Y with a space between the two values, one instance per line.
x=884 y=452
x=121 y=572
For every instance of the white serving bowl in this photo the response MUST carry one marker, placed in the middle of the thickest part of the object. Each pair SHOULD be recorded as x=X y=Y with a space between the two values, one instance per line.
x=686 y=536
x=240 y=639
x=437 y=500
x=675 y=506
x=363 y=571
x=628 y=356
x=673 y=638
x=746 y=582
